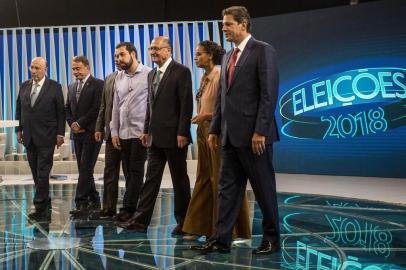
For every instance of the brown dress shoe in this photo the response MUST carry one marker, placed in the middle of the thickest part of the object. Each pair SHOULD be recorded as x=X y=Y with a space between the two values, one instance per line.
x=267 y=247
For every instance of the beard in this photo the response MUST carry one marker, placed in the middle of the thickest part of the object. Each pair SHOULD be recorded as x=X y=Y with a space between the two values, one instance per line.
x=126 y=66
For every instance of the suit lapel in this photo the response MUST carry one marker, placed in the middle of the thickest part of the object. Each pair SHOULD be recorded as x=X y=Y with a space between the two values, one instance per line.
x=44 y=88
x=240 y=63
x=84 y=89
x=151 y=85
x=224 y=65
x=164 y=79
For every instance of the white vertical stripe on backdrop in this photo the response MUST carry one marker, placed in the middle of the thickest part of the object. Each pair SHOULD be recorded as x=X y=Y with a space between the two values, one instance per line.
x=137 y=42
x=71 y=53
x=89 y=49
x=147 y=43
x=176 y=43
x=98 y=57
x=52 y=61
x=108 y=63
x=62 y=63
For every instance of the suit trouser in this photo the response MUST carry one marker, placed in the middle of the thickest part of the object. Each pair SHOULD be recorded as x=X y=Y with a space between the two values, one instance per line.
x=40 y=159
x=157 y=158
x=86 y=157
x=133 y=157
x=237 y=165
x=111 y=176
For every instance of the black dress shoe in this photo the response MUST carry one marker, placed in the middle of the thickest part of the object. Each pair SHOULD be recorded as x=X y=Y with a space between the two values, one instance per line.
x=212 y=246
x=78 y=209
x=42 y=215
x=107 y=215
x=122 y=217
x=134 y=227
x=94 y=205
x=81 y=212
x=267 y=247
x=177 y=230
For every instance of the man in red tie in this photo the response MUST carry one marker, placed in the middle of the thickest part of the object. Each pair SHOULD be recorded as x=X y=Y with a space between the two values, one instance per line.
x=244 y=117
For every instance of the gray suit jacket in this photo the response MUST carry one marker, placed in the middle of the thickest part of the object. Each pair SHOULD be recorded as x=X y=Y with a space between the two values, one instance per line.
x=106 y=106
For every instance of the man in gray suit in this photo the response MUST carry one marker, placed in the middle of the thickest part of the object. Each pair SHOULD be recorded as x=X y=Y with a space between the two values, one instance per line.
x=245 y=118
x=41 y=115
x=112 y=155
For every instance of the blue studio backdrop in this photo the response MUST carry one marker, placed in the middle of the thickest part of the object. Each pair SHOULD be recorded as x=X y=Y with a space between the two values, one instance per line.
x=342 y=99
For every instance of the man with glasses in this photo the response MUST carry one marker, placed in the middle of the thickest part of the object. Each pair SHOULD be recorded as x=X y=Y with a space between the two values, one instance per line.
x=167 y=135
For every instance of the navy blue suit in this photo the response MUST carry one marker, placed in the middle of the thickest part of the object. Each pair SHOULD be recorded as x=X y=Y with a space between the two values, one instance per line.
x=244 y=107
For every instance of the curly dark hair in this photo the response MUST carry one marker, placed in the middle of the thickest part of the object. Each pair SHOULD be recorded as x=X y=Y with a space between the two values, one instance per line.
x=214 y=49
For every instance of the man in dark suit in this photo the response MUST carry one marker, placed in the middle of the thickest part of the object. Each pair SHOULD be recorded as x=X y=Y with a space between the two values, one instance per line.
x=244 y=116
x=82 y=109
x=167 y=134
x=112 y=155
x=41 y=116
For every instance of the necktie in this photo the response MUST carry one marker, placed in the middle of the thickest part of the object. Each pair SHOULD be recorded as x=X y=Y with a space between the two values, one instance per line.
x=78 y=90
x=157 y=80
x=34 y=94
x=231 y=66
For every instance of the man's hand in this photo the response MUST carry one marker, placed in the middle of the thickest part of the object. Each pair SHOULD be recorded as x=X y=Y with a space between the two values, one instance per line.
x=213 y=141
x=19 y=137
x=145 y=140
x=75 y=127
x=258 y=144
x=182 y=141
x=98 y=136
x=116 y=142
x=59 y=141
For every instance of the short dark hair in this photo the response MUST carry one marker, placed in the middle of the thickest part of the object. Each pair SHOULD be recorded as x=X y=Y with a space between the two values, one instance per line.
x=214 y=49
x=240 y=15
x=81 y=59
x=129 y=47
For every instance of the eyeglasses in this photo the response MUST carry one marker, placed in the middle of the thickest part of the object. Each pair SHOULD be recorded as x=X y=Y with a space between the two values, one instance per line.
x=156 y=48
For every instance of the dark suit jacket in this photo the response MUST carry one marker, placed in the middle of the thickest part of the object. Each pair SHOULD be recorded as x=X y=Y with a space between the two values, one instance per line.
x=106 y=106
x=169 y=112
x=46 y=119
x=85 y=111
x=248 y=104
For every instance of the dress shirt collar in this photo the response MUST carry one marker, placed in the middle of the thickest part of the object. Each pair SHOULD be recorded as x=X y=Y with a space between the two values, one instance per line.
x=84 y=80
x=244 y=43
x=40 y=83
x=165 y=66
x=139 y=69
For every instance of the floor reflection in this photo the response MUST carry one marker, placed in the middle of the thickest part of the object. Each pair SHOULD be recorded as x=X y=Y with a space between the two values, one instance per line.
x=318 y=233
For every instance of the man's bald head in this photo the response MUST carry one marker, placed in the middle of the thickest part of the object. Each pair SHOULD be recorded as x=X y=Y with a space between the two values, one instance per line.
x=38 y=68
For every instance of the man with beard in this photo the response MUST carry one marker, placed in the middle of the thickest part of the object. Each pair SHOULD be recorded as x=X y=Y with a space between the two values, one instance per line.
x=82 y=108
x=112 y=155
x=127 y=124
x=167 y=134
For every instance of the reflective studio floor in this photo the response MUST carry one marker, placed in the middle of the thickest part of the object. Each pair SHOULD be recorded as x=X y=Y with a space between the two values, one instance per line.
x=317 y=233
